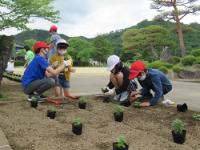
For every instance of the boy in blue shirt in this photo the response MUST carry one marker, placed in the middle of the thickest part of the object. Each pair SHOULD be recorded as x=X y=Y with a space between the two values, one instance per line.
x=149 y=79
x=37 y=76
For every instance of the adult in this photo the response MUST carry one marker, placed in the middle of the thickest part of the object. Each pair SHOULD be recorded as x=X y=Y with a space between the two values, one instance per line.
x=28 y=56
x=150 y=80
x=37 y=76
x=53 y=40
x=119 y=83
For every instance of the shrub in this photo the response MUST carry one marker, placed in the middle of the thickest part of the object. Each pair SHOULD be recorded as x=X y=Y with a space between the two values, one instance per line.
x=178 y=126
x=19 y=63
x=174 y=60
x=195 y=52
x=157 y=64
x=188 y=60
x=197 y=61
x=163 y=69
x=177 y=68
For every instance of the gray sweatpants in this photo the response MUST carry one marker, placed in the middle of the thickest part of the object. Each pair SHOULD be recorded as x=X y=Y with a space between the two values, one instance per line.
x=39 y=86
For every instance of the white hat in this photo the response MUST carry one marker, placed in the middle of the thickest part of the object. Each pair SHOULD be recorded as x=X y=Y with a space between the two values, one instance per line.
x=112 y=61
x=59 y=41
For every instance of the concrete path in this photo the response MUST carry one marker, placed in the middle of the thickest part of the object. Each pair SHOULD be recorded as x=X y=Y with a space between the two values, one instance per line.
x=4 y=145
x=88 y=80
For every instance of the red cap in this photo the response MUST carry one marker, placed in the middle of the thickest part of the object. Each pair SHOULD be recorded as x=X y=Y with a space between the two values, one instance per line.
x=39 y=45
x=53 y=28
x=136 y=68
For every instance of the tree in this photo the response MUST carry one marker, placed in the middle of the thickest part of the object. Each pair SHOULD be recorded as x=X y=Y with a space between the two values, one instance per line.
x=81 y=50
x=149 y=41
x=103 y=48
x=30 y=42
x=180 y=9
x=17 y=13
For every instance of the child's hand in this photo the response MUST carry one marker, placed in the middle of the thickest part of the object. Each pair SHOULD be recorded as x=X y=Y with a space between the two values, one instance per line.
x=55 y=64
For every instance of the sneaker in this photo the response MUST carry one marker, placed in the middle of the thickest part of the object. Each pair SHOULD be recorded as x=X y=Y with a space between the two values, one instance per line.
x=43 y=97
x=29 y=98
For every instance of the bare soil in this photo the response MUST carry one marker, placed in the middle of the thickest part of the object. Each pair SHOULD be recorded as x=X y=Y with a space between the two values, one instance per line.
x=144 y=129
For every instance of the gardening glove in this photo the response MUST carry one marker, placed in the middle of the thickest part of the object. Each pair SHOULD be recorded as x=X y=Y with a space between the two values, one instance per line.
x=105 y=89
x=55 y=64
x=110 y=92
x=67 y=63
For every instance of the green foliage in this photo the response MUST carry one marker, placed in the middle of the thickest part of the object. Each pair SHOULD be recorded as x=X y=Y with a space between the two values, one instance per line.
x=19 y=63
x=118 y=109
x=163 y=69
x=30 y=42
x=197 y=61
x=81 y=51
x=52 y=108
x=17 y=13
x=103 y=48
x=157 y=64
x=81 y=100
x=174 y=60
x=77 y=121
x=21 y=52
x=137 y=104
x=196 y=116
x=178 y=126
x=177 y=68
x=150 y=39
x=121 y=143
x=195 y=52
x=188 y=60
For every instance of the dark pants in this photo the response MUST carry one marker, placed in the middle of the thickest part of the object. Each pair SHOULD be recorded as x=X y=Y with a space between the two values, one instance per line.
x=39 y=86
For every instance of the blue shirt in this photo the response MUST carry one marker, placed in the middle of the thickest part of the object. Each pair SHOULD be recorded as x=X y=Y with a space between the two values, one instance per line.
x=156 y=81
x=35 y=70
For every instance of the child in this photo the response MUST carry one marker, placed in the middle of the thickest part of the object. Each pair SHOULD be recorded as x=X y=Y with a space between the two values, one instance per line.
x=64 y=77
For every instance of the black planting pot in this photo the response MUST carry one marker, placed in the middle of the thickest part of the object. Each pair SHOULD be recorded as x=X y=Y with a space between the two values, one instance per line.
x=106 y=99
x=179 y=138
x=182 y=107
x=77 y=129
x=119 y=116
x=51 y=114
x=116 y=148
x=34 y=104
x=82 y=105
x=126 y=103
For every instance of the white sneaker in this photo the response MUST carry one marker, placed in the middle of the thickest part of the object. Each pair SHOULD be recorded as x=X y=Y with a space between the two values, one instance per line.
x=168 y=102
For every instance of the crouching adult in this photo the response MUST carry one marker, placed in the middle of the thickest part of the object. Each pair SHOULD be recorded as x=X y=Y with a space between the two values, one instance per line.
x=37 y=76
x=150 y=80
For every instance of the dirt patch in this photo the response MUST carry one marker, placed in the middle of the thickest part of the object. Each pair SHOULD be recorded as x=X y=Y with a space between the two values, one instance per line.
x=145 y=129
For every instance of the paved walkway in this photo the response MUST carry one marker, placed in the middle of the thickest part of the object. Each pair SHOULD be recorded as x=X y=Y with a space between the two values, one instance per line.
x=88 y=80
x=4 y=145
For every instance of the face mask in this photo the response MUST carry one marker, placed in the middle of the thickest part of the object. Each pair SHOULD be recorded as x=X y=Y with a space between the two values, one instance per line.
x=142 y=77
x=61 y=52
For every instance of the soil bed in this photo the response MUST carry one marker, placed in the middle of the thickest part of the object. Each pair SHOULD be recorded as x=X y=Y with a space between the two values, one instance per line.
x=144 y=129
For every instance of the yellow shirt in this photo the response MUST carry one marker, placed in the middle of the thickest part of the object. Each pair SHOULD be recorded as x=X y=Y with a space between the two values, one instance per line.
x=60 y=59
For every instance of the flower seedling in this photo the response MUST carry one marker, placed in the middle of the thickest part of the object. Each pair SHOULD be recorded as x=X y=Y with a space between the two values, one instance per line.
x=77 y=121
x=121 y=143
x=118 y=110
x=178 y=126
x=52 y=108
x=196 y=116
x=81 y=100
x=137 y=104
